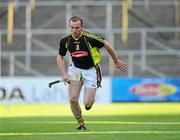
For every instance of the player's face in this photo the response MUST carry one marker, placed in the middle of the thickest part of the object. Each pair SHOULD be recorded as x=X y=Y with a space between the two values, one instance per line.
x=75 y=28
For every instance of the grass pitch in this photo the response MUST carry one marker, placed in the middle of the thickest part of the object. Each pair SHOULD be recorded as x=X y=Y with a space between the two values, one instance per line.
x=125 y=121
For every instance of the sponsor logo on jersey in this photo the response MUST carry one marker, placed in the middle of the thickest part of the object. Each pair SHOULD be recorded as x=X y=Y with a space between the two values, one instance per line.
x=78 y=54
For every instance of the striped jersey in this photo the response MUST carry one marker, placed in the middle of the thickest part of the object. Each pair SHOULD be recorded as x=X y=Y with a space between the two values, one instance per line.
x=84 y=50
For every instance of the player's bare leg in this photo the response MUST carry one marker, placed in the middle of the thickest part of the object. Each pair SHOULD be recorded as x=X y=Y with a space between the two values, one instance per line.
x=89 y=97
x=74 y=93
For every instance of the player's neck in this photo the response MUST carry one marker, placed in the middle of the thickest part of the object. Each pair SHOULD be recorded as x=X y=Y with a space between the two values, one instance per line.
x=77 y=36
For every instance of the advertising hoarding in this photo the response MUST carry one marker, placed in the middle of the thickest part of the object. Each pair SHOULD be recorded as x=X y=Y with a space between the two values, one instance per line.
x=145 y=89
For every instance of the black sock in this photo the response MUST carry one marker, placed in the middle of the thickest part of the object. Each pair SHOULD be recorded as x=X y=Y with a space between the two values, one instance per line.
x=80 y=121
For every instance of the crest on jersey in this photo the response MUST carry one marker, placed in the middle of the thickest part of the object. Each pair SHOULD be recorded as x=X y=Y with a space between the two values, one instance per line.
x=77 y=45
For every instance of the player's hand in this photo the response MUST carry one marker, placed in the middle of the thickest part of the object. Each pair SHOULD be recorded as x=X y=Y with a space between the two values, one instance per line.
x=66 y=80
x=121 y=65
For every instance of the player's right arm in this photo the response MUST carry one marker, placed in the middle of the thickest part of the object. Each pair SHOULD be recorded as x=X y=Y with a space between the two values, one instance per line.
x=61 y=64
x=60 y=59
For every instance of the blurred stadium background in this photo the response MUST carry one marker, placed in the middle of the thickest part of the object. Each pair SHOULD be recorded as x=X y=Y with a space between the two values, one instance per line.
x=151 y=46
x=144 y=33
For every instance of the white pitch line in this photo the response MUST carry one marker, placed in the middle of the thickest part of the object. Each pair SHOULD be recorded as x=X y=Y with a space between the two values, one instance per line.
x=103 y=122
x=91 y=132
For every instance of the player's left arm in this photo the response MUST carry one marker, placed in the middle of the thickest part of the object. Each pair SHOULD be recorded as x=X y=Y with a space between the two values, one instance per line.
x=118 y=63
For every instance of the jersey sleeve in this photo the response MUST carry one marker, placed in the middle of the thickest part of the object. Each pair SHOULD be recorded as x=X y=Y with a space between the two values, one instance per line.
x=62 y=47
x=97 y=41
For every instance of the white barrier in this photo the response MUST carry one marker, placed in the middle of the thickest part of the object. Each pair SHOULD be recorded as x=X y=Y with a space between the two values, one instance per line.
x=36 y=90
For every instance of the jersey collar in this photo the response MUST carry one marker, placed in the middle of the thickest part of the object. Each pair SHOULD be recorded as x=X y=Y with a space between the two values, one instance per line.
x=78 y=37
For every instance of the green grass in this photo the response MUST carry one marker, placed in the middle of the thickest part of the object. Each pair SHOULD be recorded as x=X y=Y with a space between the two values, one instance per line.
x=122 y=125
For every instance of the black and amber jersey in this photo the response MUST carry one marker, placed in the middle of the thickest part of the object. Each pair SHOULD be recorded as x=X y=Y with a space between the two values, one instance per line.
x=84 y=50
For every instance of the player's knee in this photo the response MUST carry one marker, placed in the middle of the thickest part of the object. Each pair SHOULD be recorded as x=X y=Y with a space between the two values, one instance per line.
x=73 y=100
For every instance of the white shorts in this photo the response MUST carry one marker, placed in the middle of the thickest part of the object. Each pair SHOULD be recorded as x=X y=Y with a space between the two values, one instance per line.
x=89 y=76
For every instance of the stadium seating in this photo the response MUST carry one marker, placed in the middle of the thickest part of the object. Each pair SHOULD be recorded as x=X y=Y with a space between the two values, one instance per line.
x=162 y=48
